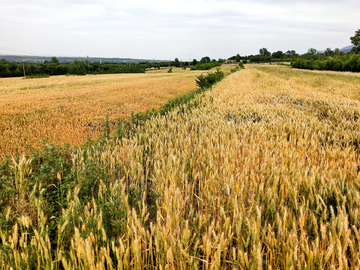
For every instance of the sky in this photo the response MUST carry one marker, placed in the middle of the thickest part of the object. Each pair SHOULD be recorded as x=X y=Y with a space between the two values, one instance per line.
x=186 y=29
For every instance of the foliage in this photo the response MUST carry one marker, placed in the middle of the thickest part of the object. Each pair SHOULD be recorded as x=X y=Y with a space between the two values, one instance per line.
x=356 y=41
x=264 y=52
x=328 y=52
x=206 y=81
x=278 y=55
x=205 y=59
x=77 y=68
x=177 y=62
x=205 y=66
x=10 y=69
x=338 y=63
x=290 y=53
x=259 y=58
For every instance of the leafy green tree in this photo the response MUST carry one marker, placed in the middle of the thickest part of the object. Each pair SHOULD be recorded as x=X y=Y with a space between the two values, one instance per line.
x=356 y=41
x=259 y=58
x=205 y=59
x=176 y=62
x=264 y=52
x=278 y=55
x=3 y=68
x=328 y=52
x=290 y=53
x=311 y=51
x=77 y=68
x=310 y=54
x=356 y=38
x=237 y=58
x=54 y=60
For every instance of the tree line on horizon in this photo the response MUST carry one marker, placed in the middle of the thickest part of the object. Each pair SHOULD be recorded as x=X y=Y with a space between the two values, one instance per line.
x=313 y=59
x=78 y=67
x=53 y=67
x=332 y=60
x=328 y=60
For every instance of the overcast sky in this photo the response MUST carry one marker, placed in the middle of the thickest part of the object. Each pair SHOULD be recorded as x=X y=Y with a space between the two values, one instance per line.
x=165 y=29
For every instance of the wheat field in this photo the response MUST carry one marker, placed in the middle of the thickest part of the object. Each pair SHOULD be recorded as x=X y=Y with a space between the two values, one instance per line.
x=262 y=172
x=68 y=109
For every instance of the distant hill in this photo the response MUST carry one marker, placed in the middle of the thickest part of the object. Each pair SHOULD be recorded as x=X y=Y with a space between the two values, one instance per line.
x=347 y=49
x=41 y=59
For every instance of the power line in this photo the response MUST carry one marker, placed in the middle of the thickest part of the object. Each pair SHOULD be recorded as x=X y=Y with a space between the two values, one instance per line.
x=4 y=48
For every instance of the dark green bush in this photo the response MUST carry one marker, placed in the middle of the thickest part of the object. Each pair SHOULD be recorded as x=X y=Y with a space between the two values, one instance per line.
x=205 y=81
x=205 y=66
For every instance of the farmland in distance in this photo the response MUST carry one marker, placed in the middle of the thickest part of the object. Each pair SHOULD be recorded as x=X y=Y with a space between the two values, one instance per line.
x=69 y=109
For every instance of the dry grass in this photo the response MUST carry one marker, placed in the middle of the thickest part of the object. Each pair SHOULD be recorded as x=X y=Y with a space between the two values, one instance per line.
x=68 y=109
x=262 y=174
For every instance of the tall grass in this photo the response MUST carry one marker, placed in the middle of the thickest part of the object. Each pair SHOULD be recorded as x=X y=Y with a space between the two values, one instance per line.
x=261 y=173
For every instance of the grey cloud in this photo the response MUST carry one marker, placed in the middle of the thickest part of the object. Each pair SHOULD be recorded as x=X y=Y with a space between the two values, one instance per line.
x=168 y=29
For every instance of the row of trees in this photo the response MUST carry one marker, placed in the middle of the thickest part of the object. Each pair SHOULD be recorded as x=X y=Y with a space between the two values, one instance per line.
x=306 y=60
x=266 y=56
x=337 y=63
x=332 y=60
x=205 y=66
x=10 y=69
x=53 y=67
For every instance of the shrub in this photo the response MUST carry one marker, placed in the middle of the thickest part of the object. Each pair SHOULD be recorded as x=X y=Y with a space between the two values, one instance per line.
x=205 y=66
x=210 y=79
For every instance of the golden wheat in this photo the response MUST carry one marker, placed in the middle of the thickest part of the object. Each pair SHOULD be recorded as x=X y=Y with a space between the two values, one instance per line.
x=68 y=109
x=262 y=174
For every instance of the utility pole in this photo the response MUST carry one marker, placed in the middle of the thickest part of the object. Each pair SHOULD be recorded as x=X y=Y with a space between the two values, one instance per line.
x=23 y=68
